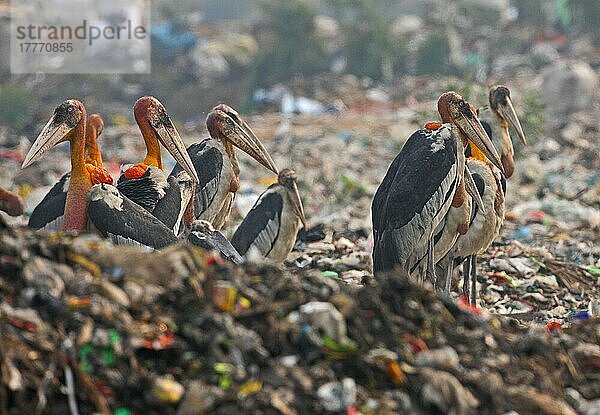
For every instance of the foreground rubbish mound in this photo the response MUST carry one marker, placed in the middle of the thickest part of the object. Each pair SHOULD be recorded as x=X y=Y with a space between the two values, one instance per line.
x=87 y=328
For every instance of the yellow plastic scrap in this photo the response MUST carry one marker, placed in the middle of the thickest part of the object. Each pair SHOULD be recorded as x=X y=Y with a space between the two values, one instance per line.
x=244 y=303
x=249 y=388
x=88 y=265
x=396 y=373
x=167 y=391
x=76 y=303
x=24 y=190
x=224 y=294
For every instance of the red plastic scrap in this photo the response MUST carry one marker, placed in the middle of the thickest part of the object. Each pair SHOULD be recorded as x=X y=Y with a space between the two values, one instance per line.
x=416 y=344
x=106 y=390
x=553 y=326
x=161 y=342
x=351 y=410
x=499 y=277
x=23 y=325
x=214 y=259
x=537 y=216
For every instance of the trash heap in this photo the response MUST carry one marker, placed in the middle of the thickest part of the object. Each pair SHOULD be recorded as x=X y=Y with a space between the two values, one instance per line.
x=88 y=328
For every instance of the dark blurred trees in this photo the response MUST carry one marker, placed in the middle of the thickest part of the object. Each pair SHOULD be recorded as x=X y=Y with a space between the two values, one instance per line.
x=368 y=45
x=15 y=101
x=295 y=48
x=585 y=16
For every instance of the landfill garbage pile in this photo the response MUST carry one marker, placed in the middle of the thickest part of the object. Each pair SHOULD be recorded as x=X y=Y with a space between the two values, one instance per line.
x=89 y=328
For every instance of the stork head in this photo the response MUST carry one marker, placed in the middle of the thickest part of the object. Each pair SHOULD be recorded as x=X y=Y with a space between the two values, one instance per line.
x=288 y=178
x=224 y=123
x=501 y=103
x=156 y=126
x=454 y=109
x=58 y=129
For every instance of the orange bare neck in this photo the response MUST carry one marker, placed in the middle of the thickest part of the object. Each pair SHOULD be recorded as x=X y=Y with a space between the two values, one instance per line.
x=153 y=157
x=75 y=218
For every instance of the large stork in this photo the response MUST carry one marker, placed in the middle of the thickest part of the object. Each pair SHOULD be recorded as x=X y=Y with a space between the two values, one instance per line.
x=217 y=166
x=49 y=213
x=491 y=185
x=271 y=226
x=146 y=183
x=425 y=179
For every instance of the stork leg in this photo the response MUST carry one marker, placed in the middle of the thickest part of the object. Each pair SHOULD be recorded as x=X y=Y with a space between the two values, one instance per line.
x=466 y=276
x=430 y=275
x=473 y=293
x=449 y=272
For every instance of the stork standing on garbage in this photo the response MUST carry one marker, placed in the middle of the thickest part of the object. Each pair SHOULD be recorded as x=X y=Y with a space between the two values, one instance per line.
x=491 y=186
x=271 y=227
x=145 y=183
x=425 y=179
x=49 y=213
x=216 y=163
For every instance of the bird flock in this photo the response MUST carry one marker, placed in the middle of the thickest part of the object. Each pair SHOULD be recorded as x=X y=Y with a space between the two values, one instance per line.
x=149 y=207
x=440 y=204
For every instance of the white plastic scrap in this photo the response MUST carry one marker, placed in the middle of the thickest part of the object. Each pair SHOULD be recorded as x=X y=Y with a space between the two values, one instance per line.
x=336 y=396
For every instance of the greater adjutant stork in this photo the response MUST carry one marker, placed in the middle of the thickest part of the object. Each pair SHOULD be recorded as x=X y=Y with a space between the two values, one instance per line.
x=421 y=184
x=491 y=185
x=271 y=226
x=146 y=183
x=49 y=213
x=217 y=166
x=112 y=214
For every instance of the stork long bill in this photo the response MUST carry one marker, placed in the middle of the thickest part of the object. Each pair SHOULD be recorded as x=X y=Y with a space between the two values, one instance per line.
x=53 y=133
x=297 y=203
x=171 y=140
x=475 y=132
x=471 y=189
x=246 y=140
x=507 y=111
x=271 y=164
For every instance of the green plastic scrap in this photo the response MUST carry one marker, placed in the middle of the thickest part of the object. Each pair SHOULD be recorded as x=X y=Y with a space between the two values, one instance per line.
x=594 y=270
x=122 y=411
x=329 y=274
x=114 y=337
x=353 y=187
x=223 y=368
x=108 y=357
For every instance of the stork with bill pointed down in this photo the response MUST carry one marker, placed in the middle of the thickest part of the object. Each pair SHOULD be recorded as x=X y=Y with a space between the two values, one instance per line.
x=217 y=166
x=271 y=227
x=425 y=179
